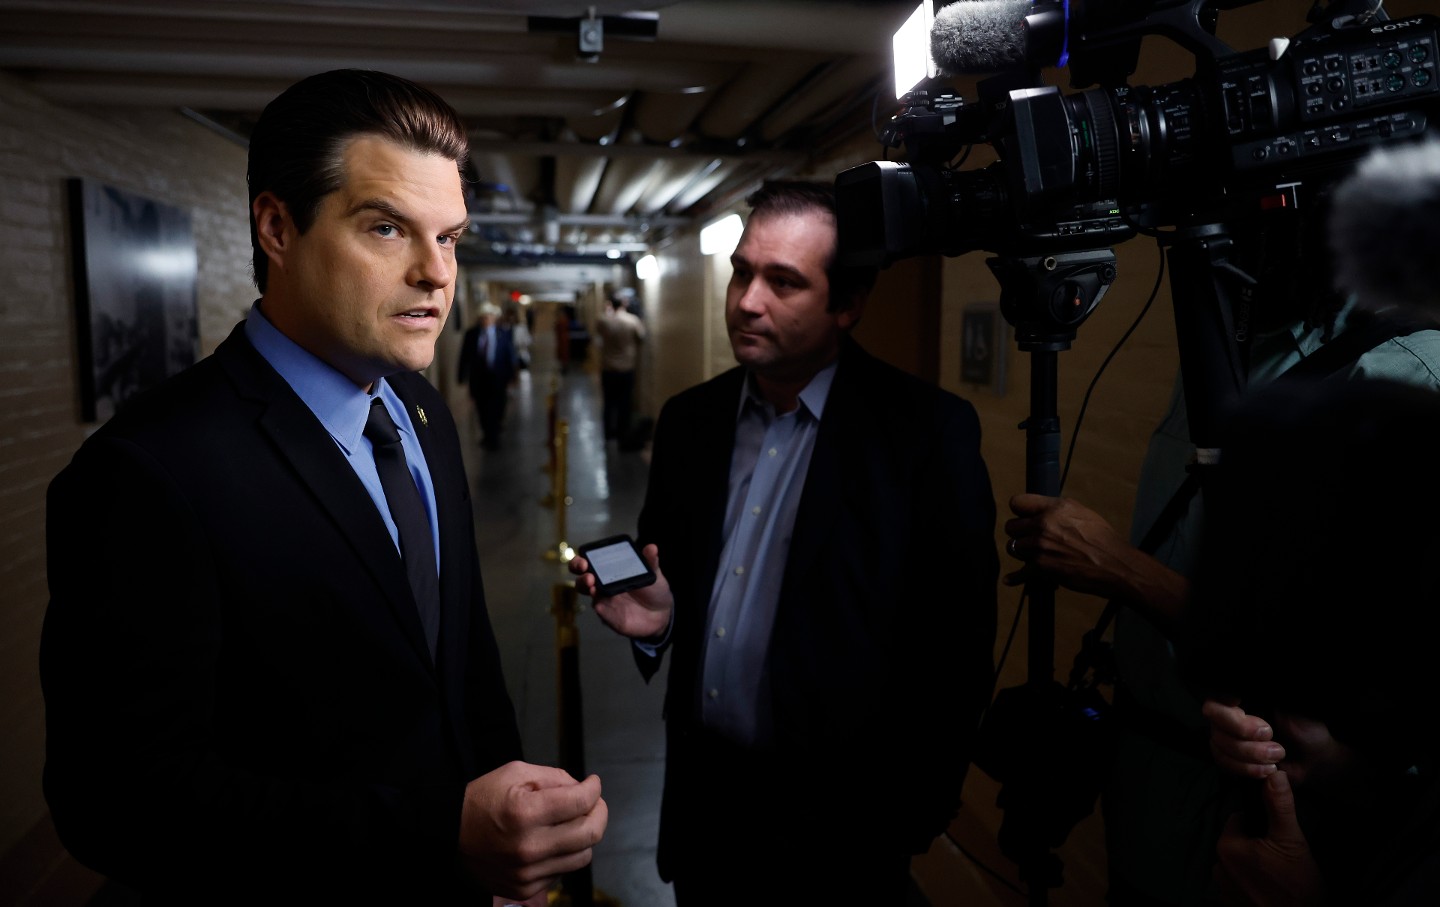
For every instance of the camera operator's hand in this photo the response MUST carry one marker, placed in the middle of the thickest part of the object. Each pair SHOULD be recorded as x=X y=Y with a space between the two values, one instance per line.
x=1241 y=743
x=1081 y=551
x=1275 y=870
x=1313 y=755
x=643 y=613
x=1249 y=746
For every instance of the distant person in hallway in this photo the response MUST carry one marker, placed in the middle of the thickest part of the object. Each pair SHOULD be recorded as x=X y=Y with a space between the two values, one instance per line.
x=488 y=363
x=578 y=343
x=620 y=332
x=563 y=316
x=520 y=335
x=821 y=524
x=268 y=666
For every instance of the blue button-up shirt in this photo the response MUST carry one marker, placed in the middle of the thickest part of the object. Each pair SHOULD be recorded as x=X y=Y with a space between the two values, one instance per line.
x=342 y=408
x=767 y=475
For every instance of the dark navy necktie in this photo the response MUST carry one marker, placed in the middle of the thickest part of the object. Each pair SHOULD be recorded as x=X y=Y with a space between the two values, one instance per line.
x=417 y=544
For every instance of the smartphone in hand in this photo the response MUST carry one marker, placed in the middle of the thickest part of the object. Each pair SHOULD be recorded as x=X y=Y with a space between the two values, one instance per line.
x=616 y=564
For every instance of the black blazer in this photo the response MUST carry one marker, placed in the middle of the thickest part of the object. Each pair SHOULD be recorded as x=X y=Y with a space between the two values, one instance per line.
x=239 y=698
x=881 y=658
x=474 y=372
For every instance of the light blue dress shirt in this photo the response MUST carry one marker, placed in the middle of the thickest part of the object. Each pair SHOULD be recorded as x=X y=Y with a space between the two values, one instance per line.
x=342 y=408
x=767 y=476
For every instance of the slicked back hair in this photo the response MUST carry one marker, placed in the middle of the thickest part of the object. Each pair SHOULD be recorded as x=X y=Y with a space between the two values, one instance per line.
x=789 y=198
x=297 y=147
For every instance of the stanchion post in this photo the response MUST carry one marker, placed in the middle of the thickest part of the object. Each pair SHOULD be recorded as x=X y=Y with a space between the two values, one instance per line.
x=548 y=467
x=577 y=888
x=552 y=409
x=562 y=551
x=567 y=656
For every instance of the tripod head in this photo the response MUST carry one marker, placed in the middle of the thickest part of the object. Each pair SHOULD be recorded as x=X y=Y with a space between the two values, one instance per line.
x=1047 y=297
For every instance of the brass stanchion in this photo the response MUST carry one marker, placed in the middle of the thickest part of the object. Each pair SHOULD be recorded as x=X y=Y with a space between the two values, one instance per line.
x=562 y=551
x=576 y=889
x=548 y=467
x=552 y=409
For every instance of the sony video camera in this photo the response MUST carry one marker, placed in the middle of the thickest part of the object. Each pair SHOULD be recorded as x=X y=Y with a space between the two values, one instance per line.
x=1087 y=170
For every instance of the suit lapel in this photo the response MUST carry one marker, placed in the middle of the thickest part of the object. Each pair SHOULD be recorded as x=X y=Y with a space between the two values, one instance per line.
x=312 y=453
x=821 y=498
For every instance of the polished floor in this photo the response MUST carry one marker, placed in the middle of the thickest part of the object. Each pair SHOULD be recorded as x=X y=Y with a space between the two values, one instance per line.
x=516 y=530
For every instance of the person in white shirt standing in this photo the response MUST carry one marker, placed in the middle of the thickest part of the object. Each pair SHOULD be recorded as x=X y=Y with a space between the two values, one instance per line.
x=621 y=332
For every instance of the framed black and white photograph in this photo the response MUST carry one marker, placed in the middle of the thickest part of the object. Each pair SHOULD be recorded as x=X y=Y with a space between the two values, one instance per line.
x=135 y=287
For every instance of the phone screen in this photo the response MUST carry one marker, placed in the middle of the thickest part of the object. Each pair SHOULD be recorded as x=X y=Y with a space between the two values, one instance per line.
x=614 y=563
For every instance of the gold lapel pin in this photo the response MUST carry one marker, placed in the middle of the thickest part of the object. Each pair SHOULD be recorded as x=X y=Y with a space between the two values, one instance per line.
x=420 y=411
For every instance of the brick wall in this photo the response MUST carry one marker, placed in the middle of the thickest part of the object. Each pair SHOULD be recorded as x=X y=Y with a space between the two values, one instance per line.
x=154 y=153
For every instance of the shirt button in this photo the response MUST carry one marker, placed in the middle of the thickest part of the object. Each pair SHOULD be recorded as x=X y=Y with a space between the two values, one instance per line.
x=714 y=694
x=739 y=571
x=773 y=451
x=720 y=632
x=755 y=510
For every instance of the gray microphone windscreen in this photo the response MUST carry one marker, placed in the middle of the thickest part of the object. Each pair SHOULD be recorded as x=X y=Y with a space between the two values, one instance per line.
x=1385 y=228
x=979 y=36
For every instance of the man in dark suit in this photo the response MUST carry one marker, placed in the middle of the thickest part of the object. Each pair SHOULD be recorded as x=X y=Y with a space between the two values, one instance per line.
x=488 y=364
x=825 y=527
x=268 y=666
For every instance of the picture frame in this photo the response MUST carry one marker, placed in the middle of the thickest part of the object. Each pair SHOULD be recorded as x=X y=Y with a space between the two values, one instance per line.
x=137 y=307
x=982 y=346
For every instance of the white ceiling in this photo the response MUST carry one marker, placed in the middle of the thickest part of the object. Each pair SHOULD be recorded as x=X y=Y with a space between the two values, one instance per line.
x=571 y=158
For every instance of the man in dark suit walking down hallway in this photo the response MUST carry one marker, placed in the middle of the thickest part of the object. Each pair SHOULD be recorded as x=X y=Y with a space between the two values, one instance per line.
x=488 y=363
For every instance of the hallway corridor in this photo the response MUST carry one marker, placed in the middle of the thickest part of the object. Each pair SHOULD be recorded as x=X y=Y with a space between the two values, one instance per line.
x=623 y=732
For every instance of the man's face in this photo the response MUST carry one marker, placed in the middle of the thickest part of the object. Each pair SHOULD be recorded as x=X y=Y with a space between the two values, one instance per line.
x=368 y=287
x=775 y=305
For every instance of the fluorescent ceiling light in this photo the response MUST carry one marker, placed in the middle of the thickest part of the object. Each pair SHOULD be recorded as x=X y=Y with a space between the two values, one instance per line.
x=721 y=237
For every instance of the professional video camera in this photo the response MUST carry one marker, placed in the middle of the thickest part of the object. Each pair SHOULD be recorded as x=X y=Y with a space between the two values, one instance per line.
x=1087 y=170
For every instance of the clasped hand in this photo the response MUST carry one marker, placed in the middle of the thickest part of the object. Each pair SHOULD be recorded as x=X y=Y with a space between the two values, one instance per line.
x=523 y=826
x=1277 y=867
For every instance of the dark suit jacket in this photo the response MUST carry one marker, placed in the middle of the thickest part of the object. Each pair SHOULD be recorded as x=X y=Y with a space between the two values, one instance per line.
x=239 y=698
x=474 y=372
x=882 y=650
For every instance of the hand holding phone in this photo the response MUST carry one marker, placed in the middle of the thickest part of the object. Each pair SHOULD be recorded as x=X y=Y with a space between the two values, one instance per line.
x=631 y=595
x=616 y=564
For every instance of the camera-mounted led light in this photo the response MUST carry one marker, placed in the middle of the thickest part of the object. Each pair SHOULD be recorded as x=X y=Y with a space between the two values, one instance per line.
x=913 y=62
